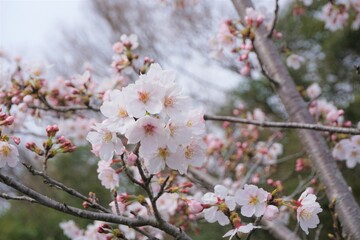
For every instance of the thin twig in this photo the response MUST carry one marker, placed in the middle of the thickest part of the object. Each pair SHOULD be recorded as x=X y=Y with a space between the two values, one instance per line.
x=292 y=125
x=276 y=13
x=67 y=189
x=18 y=198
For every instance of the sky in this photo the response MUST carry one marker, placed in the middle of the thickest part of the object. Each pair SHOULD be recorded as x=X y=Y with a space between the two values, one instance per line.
x=27 y=25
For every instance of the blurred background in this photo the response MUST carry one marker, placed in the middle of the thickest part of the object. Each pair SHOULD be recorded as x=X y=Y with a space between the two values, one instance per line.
x=72 y=34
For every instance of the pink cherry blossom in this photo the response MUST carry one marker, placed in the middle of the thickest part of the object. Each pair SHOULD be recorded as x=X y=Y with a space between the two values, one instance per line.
x=105 y=142
x=216 y=201
x=149 y=131
x=307 y=211
x=116 y=112
x=313 y=91
x=241 y=229
x=294 y=61
x=143 y=96
x=107 y=175
x=271 y=212
x=9 y=154
x=252 y=199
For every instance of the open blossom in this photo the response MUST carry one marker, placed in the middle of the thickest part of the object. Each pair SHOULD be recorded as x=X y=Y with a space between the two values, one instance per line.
x=130 y=41
x=252 y=199
x=105 y=142
x=348 y=150
x=294 y=61
x=175 y=103
x=307 y=211
x=313 y=91
x=143 y=96
x=241 y=229
x=149 y=131
x=107 y=175
x=218 y=202
x=71 y=230
x=156 y=158
x=335 y=16
x=8 y=154
x=191 y=154
x=116 y=112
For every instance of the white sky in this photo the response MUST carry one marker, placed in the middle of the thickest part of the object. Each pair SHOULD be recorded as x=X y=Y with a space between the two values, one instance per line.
x=27 y=25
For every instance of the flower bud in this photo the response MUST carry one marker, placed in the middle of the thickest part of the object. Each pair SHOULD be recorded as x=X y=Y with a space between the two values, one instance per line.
x=271 y=212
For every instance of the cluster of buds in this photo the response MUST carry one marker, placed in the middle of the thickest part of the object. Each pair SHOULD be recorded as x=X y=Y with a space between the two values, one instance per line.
x=181 y=188
x=52 y=146
x=6 y=119
x=123 y=50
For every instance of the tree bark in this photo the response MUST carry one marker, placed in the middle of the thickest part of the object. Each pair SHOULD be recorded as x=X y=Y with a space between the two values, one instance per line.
x=314 y=144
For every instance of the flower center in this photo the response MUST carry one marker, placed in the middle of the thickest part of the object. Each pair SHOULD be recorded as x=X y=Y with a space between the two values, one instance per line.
x=163 y=153
x=122 y=113
x=149 y=129
x=305 y=214
x=253 y=200
x=143 y=97
x=107 y=137
x=189 y=152
x=169 y=102
x=5 y=150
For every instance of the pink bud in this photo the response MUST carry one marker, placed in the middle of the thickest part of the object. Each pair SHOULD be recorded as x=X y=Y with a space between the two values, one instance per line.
x=245 y=71
x=28 y=99
x=9 y=120
x=271 y=212
x=194 y=206
x=16 y=140
x=131 y=159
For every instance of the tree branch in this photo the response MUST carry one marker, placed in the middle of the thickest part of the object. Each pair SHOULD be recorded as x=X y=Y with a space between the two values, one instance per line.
x=106 y=217
x=293 y=125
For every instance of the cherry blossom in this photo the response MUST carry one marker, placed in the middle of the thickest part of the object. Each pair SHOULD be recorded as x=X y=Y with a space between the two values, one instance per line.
x=107 y=175
x=217 y=203
x=8 y=154
x=241 y=229
x=71 y=230
x=313 y=91
x=294 y=61
x=307 y=211
x=116 y=112
x=252 y=199
x=105 y=142
x=149 y=131
x=142 y=97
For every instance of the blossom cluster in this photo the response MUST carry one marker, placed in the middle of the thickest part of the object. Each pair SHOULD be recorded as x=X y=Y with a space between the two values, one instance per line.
x=154 y=113
x=348 y=150
x=220 y=207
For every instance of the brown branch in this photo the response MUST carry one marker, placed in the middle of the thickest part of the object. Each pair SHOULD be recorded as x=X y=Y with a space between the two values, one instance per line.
x=67 y=189
x=106 y=217
x=293 y=125
x=276 y=13
x=18 y=198
x=314 y=144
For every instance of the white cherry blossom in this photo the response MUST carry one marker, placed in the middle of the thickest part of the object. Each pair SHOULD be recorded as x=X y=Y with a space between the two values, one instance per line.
x=241 y=229
x=307 y=211
x=149 y=131
x=252 y=199
x=143 y=96
x=218 y=201
x=107 y=175
x=116 y=112
x=105 y=142
x=9 y=154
